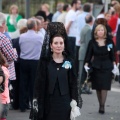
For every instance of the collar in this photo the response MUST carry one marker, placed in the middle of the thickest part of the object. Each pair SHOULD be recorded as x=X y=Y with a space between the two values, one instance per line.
x=51 y=59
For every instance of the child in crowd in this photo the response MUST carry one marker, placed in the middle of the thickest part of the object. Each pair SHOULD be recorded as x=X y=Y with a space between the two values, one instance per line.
x=4 y=97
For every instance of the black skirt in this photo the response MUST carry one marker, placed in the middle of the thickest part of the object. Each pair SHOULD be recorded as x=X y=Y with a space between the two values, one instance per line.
x=59 y=108
x=101 y=79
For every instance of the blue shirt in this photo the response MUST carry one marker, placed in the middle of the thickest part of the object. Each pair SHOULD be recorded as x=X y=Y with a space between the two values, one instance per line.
x=30 y=45
x=55 y=16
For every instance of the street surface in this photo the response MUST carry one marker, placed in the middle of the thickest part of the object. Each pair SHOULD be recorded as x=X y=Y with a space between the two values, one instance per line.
x=90 y=107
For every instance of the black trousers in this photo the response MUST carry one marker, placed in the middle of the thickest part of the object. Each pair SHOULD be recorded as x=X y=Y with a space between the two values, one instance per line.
x=74 y=51
x=76 y=59
x=15 y=85
x=27 y=77
x=71 y=46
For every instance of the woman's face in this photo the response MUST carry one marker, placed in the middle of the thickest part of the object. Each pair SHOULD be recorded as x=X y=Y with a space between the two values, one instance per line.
x=107 y=17
x=57 y=45
x=100 y=32
x=14 y=11
x=43 y=8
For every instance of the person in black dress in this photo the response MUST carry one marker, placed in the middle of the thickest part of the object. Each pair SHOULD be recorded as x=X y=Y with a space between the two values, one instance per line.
x=56 y=82
x=101 y=57
x=46 y=8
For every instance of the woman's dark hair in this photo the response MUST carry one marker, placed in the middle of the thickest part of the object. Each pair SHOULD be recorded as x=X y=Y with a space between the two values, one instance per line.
x=57 y=35
x=102 y=21
x=41 y=13
x=2 y=60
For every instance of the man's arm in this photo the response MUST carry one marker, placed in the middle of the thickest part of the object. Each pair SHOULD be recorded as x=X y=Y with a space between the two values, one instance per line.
x=7 y=49
x=68 y=26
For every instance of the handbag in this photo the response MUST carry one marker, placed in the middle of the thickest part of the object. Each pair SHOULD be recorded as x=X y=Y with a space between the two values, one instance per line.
x=86 y=85
x=2 y=78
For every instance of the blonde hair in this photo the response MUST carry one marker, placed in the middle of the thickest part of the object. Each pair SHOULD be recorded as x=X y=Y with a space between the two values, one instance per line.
x=46 y=6
x=97 y=28
x=12 y=7
x=117 y=9
x=114 y=2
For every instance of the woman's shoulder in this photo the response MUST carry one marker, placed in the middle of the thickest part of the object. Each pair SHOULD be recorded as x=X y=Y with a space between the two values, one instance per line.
x=91 y=42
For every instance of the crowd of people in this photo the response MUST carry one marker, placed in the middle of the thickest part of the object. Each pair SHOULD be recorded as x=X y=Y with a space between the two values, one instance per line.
x=46 y=59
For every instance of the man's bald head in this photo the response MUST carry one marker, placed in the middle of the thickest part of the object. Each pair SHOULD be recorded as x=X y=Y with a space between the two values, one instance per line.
x=31 y=23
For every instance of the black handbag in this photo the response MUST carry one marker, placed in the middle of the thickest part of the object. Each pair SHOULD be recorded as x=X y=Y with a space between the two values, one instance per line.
x=2 y=77
x=86 y=85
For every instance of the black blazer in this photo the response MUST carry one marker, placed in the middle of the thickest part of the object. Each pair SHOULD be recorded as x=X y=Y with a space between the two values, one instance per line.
x=100 y=57
x=58 y=73
x=46 y=77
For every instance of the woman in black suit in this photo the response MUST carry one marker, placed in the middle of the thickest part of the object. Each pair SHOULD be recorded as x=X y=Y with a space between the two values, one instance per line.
x=100 y=55
x=56 y=81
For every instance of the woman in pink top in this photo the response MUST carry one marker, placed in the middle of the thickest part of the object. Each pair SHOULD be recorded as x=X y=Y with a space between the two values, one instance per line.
x=4 y=97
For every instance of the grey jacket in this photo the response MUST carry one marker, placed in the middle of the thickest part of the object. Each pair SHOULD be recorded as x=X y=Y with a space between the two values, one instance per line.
x=85 y=38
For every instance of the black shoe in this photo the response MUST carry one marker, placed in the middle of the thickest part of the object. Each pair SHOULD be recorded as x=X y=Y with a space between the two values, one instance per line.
x=102 y=109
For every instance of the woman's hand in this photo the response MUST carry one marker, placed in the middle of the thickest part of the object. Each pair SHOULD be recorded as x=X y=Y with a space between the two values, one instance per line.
x=75 y=110
x=115 y=70
x=86 y=67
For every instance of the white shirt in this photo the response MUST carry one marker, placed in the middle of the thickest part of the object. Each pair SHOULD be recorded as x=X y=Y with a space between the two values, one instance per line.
x=80 y=23
x=42 y=33
x=71 y=16
x=55 y=16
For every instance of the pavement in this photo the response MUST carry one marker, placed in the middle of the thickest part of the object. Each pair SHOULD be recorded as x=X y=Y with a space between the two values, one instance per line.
x=90 y=107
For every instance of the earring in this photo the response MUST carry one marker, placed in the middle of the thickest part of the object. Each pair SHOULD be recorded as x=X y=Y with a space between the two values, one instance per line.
x=51 y=50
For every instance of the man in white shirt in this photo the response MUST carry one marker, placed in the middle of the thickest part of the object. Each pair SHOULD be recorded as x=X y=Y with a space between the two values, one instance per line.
x=58 y=12
x=81 y=18
x=72 y=30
